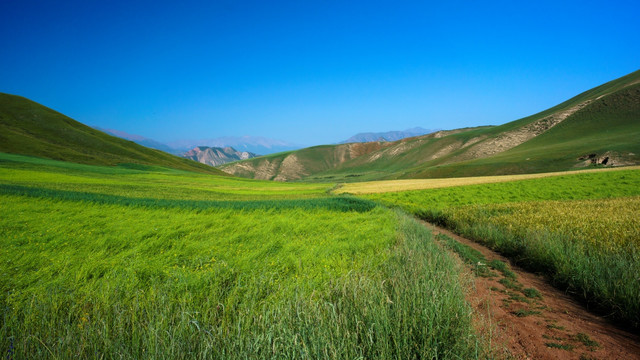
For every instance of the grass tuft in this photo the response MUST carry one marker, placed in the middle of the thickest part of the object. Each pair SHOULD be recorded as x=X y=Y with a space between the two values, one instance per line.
x=587 y=341
x=532 y=293
x=525 y=313
x=568 y=347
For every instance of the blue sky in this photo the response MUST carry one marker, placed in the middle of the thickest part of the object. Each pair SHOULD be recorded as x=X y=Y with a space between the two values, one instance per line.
x=309 y=72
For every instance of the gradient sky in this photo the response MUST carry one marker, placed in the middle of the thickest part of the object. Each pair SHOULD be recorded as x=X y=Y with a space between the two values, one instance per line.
x=309 y=72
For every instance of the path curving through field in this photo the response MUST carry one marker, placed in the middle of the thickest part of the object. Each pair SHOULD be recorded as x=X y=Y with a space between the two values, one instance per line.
x=554 y=326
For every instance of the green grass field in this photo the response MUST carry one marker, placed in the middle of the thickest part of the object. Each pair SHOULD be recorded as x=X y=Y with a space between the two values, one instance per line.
x=144 y=262
x=582 y=230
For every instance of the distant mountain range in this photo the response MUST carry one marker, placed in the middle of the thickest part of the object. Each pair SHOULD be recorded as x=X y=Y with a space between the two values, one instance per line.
x=212 y=152
x=387 y=136
x=250 y=144
x=215 y=156
x=255 y=144
x=141 y=140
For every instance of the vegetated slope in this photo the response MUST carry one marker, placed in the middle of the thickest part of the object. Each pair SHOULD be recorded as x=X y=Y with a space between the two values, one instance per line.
x=215 y=156
x=597 y=125
x=354 y=161
x=601 y=126
x=140 y=140
x=295 y=165
x=29 y=128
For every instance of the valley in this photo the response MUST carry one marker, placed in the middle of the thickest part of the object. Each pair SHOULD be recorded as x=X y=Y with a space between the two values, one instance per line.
x=510 y=241
x=319 y=180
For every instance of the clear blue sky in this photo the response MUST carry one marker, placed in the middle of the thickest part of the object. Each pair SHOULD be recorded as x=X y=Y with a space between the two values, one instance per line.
x=309 y=72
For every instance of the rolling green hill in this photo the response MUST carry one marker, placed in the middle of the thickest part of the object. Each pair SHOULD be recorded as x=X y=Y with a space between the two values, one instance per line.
x=599 y=127
x=28 y=128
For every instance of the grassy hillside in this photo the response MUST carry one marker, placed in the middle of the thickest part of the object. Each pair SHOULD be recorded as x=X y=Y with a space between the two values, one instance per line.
x=29 y=128
x=295 y=165
x=609 y=126
x=131 y=263
x=603 y=122
x=403 y=156
x=348 y=162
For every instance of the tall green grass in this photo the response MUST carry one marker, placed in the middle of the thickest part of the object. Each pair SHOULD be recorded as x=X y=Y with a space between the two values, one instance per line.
x=126 y=282
x=155 y=275
x=336 y=203
x=602 y=276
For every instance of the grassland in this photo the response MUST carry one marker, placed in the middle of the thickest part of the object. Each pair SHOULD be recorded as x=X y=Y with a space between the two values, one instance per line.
x=580 y=229
x=140 y=181
x=143 y=262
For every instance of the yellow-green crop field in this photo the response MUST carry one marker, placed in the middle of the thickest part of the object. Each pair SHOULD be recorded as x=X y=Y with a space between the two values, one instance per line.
x=606 y=224
x=581 y=229
x=383 y=186
x=139 y=262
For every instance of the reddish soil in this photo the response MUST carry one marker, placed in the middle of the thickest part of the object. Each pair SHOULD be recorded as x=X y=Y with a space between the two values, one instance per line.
x=551 y=327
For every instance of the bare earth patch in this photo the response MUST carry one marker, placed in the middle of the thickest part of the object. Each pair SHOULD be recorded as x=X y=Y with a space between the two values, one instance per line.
x=513 y=138
x=290 y=169
x=548 y=324
x=446 y=150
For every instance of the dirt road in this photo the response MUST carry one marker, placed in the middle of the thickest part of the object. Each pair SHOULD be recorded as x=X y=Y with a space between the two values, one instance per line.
x=547 y=325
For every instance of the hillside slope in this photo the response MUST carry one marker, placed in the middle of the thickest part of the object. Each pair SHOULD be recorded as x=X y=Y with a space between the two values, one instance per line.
x=29 y=128
x=598 y=127
x=295 y=165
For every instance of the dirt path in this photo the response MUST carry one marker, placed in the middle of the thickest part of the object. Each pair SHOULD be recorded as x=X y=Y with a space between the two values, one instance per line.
x=552 y=326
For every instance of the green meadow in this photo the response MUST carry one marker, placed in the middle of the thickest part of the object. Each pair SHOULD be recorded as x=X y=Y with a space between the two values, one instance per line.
x=147 y=262
x=582 y=230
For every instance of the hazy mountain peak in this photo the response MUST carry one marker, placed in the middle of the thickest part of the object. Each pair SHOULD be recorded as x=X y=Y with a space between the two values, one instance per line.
x=388 y=135
x=250 y=144
x=253 y=144
x=215 y=156
x=140 y=140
